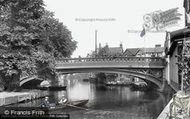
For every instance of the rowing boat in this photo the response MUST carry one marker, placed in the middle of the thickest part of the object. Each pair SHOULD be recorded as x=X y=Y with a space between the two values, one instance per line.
x=69 y=104
x=79 y=102
x=52 y=88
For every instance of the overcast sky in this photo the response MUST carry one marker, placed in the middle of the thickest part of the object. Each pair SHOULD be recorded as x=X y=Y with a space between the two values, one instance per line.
x=119 y=17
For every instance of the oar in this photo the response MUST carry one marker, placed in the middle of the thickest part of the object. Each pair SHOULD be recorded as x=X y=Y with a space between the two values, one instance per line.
x=76 y=106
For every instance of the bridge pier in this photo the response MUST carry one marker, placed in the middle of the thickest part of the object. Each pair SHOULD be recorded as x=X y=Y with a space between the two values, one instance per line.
x=58 y=80
x=166 y=87
x=62 y=79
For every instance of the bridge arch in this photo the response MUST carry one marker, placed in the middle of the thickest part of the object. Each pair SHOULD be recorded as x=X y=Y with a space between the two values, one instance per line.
x=28 y=82
x=151 y=78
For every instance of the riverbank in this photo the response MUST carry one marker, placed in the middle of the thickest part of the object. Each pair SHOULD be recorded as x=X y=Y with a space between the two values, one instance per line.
x=165 y=113
x=7 y=98
x=178 y=107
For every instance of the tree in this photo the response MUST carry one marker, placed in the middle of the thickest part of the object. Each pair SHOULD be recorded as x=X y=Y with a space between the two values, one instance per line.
x=184 y=65
x=103 y=52
x=57 y=42
x=18 y=28
x=30 y=38
x=59 y=37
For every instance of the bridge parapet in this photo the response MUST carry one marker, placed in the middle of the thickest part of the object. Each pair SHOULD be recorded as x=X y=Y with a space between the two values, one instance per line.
x=130 y=61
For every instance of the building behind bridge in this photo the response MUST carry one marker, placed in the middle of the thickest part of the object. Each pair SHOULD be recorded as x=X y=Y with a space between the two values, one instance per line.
x=157 y=51
x=109 y=51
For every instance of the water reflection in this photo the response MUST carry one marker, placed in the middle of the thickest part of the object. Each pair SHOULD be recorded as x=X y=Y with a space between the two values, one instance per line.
x=78 y=92
x=115 y=102
x=109 y=102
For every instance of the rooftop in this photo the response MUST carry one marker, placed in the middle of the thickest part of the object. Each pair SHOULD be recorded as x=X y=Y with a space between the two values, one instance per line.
x=115 y=50
x=135 y=51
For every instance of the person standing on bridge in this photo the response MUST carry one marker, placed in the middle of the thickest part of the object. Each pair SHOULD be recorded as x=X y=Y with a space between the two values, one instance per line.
x=79 y=58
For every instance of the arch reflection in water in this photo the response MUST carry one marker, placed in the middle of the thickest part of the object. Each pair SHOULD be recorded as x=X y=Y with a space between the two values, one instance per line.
x=78 y=91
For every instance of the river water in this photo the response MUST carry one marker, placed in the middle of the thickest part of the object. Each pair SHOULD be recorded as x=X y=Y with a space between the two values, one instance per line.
x=113 y=102
x=110 y=102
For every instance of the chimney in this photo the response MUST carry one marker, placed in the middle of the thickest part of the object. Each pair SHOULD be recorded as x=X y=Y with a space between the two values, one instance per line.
x=96 y=41
x=121 y=45
x=107 y=45
x=100 y=46
x=157 y=45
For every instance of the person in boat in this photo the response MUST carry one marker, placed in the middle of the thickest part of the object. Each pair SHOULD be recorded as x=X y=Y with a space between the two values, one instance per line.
x=46 y=103
x=63 y=100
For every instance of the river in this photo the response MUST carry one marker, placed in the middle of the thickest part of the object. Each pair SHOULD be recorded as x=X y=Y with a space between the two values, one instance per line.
x=110 y=102
x=116 y=102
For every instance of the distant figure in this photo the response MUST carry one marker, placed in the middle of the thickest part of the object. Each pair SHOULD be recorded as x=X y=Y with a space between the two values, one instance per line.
x=63 y=100
x=80 y=58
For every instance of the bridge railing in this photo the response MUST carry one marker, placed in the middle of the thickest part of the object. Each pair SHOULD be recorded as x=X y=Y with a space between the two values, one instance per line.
x=159 y=60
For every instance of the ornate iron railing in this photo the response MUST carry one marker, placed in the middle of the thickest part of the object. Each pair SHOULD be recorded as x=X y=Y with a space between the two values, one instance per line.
x=157 y=61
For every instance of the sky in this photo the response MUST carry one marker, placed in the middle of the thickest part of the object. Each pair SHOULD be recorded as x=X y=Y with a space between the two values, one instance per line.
x=114 y=20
